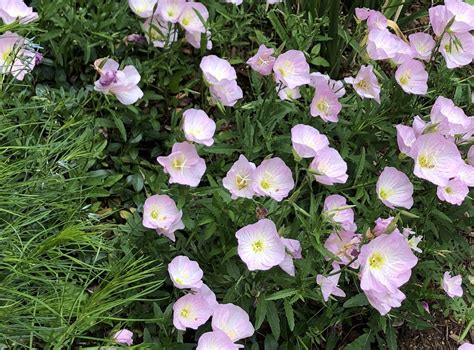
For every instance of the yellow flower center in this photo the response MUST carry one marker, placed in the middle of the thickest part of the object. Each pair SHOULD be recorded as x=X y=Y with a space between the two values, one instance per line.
x=385 y=193
x=265 y=184
x=179 y=280
x=322 y=105
x=241 y=181
x=448 y=190
x=170 y=13
x=185 y=313
x=363 y=85
x=405 y=78
x=258 y=246
x=185 y=21
x=154 y=214
x=178 y=163
x=6 y=54
x=376 y=261
x=286 y=68
x=425 y=162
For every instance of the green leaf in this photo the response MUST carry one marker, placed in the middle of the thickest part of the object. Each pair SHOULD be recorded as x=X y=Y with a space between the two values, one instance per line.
x=391 y=338
x=260 y=313
x=277 y=25
x=359 y=344
x=273 y=319
x=290 y=316
x=319 y=61
x=282 y=294
x=357 y=300
x=442 y=216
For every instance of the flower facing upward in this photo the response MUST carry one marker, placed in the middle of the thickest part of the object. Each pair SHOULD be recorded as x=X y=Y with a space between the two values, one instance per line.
x=12 y=10
x=233 y=321
x=190 y=311
x=412 y=77
x=124 y=337
x=454 y=192
x=325 y=104
x=216 y=340
x=337 y=211
x=184 y=165
x=160 y=212
x=436 y=159
x=328 y=167
x=307 y=141
x=273 y=178
x=259 y=245
x=365 y=83
x=329 y=285
x=422 y=44
x=452 y=285
x=293 y=251
x=291 y=69
x=216 y=70
x=239 y=178
x=394 y=189
x=142 y=8
x=263 y=60
x=456 y=12
x=185 y=273
x=170 y=10
x=189 y=19
x=198 y=127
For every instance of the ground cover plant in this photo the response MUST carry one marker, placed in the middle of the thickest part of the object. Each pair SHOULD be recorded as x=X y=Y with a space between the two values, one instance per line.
x=236 y=174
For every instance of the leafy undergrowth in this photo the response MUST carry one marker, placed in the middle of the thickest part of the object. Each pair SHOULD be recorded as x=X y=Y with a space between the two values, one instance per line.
x=76 y=168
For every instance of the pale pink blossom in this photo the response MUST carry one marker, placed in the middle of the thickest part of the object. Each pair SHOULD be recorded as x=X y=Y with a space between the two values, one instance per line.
x=419 y=126
x=216 y=70
x=184 y=165
x=293 y=251
x=190 y=311
x=383 y=300
x=412 y=239
x=436 y=159
x=466 y=174
x=273 y=178
x=238 y=180
x=291 y=69
x=194 y=39
x=422 y=44
x=337 y=86
x=365 y=83
x=454 y=192
x=336 y=210
x=384 y=226
x=375 y=19
x=394 y=189
x=470 y=156
x=325 y=103
x=263 y=60
x=189 y=19
x=426 y=306
x=271 y=2
x=345 y=246
x=120 y=83
x=405 y=138
x=382 y=44
x=329 y=285
x=449 y=118
x=170 y=10
x=160 y=213
x=466 y=346
x=285 y=93
x=12 y=10
x=205 y=292
x=260 y=246
x=198 y=127
x=15 y=58
x=441 y=16
x=159 y=32
x=412 y=77
x=233 y=321
x=143 y=8
x=307 y=141
x=235 y=2
x=124 y=337
x=216 y=340
x=457 y=49
x=228 y=92
x=328 y=167
x=452 y=285
x=185 y=273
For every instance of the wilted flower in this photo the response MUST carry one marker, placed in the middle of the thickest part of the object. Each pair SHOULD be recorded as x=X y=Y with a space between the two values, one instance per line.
x=15 y=58
x=160 y=213
x=143 y=8
x=365 y=83
x=198 y=127
x=291 y=69
x=189 y=19
x=159 y=32
x=345 y=246
x=263 y=60
x=412 y=77
x=184 y=165
x=328 y=167
x=170 y=10
x=422 y=45
x=384 y=226
x=293 y=251
x=260 y=246
x=394 y=189
x=239 y=178
x=12 y=10
x=190 y=311
x=233 y=321
x=273 y=178
x=216 y=340
x=185 y=273
x=325 y=103
x=124 y=336
x=336 y=209
x=454 y=192
x=412 y=239
x=329 y=285
x=307 y=141
x=452 y=285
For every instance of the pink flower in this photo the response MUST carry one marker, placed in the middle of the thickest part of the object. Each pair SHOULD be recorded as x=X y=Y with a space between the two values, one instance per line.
x=143 y=8
x=436 y=159
x=412 y=77
x=328 y=167
x=307 y=141
x=239 y=178
x=12 y=10
x=216 y=340
x=419 y=126
x=285 y=93
x=228 y=92
x=259 y=245
x=382 y=225
x=124 y=337
x=336 y=209
x=466 y=174
x=325 y=104
x=120 y=83
x=375 y=19
x=273 y=178
x=422 y=45
x=170 y=10
x=345 y=246
x=394 y=189
x=216 y=70
x=365 y=83
x=470 y=155
x=457 y=49
x=233 y=321
x=454 y=192
x=159 y=31
x=329 y=285
x=382 y=44
x=263 y=60
x=194 y=39
x=466 y=346
x=205 y=292
x=189 y=19
x=337 y=86
x=190 y=311
x=452 y=285
x=449 y=119
x=383 y=300
x=15 y=58
x=160 y=213
x=183 y=164
x=185 y=273
x=198 y=127
x=291 y=69
x=235 y=2
x=293 y=251
x=441 y=16
x=405 y=138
